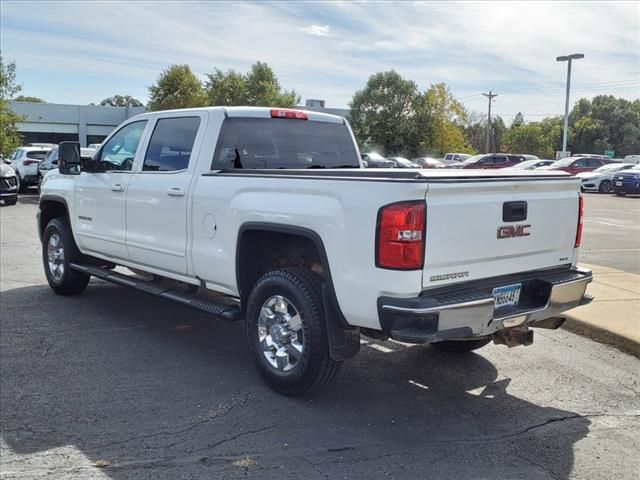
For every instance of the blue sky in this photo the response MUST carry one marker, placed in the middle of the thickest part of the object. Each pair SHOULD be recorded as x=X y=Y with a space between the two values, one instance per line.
x=82 y=52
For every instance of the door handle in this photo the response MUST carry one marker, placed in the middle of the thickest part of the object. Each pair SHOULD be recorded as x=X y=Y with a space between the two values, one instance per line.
x=175 y=192
x=117 y=187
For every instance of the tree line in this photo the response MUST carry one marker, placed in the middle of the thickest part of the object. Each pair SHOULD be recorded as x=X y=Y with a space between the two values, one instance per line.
x=390 y=114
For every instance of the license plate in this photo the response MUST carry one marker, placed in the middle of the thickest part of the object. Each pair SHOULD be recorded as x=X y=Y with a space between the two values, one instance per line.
x=618 y=184
x=506 y=296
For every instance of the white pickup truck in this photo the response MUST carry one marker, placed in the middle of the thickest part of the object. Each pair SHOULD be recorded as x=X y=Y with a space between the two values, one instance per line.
x=267 y=215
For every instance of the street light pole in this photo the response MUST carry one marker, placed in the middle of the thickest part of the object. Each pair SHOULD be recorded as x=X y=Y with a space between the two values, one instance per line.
x=568 y=59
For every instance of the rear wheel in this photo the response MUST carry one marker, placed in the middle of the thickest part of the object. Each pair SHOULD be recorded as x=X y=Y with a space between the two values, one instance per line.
x=605 y=186
x=287 y=331
x=59 y=250
x=460 y=346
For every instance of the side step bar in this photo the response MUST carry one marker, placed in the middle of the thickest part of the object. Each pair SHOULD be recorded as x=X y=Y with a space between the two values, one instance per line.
x=226 y=312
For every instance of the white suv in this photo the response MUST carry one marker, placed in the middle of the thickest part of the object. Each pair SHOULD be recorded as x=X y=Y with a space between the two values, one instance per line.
x=25 y=161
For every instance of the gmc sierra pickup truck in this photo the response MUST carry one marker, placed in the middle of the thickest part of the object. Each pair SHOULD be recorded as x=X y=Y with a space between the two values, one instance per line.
x=267 y=215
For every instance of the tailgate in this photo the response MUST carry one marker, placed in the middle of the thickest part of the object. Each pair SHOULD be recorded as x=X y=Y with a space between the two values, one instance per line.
x=479 y=229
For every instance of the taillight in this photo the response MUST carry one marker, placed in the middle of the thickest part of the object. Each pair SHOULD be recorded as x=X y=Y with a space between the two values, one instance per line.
x=400 y=236
x=29 y=162
x=286 y=113
x=580 y=212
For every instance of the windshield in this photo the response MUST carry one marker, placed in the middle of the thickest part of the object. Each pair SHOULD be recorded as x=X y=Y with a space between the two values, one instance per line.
x=525 y=165
x=565 y=162
x=375 y=156
x=473 y=159
x=608 y=168
x=284 y=143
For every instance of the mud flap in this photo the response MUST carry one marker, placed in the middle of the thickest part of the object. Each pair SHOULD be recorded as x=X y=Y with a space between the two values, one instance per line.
x=344 y=340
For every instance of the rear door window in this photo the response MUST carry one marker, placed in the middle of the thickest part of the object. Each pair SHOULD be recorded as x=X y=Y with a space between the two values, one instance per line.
x=171 y=144
x=283 y=143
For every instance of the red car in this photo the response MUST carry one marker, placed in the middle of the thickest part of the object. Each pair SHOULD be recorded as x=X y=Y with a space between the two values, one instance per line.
x=575 y=165
x=492 y=160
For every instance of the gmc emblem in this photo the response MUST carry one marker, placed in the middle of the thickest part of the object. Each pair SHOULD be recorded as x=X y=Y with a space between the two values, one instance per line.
x=511 y=231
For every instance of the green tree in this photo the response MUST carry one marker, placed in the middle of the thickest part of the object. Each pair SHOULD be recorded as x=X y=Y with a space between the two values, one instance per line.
x=121 y=101
x=24 y=98
x=605 y=122
x=10 y=138
x=176 y=87
x=391 y=115
x=528 y=138
x=259 y=87
x=226 y=88
x=447 y=116
x=498 y=131
x=518 y=120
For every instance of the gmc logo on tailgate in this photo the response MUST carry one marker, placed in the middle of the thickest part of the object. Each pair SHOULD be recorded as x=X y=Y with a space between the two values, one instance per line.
x=511 y=231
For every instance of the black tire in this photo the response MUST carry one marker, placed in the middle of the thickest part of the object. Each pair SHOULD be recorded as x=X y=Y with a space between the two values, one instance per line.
x=460 y=346
x=315 y=368
x=65 y=281
x=605 y=186
x=22 y=187
x=11 y=201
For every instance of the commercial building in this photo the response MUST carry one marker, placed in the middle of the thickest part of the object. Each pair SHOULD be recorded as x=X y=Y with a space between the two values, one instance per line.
x=55 y=123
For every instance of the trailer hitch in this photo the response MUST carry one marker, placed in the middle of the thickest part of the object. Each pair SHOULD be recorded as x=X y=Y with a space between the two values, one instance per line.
x=513 y=337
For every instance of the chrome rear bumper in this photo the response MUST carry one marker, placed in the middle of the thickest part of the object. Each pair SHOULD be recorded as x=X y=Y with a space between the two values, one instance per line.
x=468 y=310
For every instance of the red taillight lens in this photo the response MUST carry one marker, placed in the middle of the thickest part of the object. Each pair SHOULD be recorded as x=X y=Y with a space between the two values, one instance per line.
x=580 y=212
x=29 y=162
x=285 y=113
x=400 y=236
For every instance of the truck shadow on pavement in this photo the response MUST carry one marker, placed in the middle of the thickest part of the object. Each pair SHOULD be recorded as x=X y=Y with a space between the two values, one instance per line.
x=160 y=391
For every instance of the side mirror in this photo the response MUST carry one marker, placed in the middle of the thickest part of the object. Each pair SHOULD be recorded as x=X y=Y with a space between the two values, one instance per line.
x=69 y=158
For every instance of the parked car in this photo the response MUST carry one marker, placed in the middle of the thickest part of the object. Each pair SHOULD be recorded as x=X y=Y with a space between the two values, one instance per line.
x=8 y=184
x=627 y=181
x=575 y=165
x=402 y=162
x=50 y=161
x=528 y=157
x=428 y=162
x=632 y=159
x=455 y=157
x=94 y=146
x=492 y=160
x=310 y=256
x=601 y=179
x=24 y=161
x=375 y=160
x=532 y=164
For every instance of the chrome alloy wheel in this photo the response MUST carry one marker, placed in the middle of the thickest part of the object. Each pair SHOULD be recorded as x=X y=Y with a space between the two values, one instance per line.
x=280 y=333
x=55 y=256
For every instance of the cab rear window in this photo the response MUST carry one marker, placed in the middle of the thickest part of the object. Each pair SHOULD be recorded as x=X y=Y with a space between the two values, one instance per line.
x=251 y=143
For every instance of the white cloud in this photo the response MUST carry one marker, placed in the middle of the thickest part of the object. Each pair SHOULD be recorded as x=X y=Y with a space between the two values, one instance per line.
x=508 y=47
x=318 y=30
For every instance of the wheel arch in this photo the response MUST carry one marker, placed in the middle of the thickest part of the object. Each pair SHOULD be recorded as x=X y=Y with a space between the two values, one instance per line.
x=245 y=279
x=51 y=206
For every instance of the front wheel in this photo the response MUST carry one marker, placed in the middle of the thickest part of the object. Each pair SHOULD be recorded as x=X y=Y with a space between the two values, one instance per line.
x=58 y=251
x=460 y=346
x=605 y=186
x=287 y=331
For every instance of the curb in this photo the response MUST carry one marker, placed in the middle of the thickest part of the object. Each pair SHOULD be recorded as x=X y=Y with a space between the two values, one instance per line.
x=602 y=335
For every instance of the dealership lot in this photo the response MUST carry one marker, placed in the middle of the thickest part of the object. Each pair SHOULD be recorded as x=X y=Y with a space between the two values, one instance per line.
x=159 y=391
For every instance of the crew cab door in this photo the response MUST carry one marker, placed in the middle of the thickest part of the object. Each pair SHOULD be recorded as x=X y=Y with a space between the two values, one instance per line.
x=157 y=202
x=100 y=196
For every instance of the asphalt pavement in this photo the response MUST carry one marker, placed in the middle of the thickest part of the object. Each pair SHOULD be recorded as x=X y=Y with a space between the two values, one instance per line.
x=611 y=235
x=113 y=384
